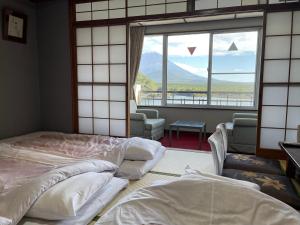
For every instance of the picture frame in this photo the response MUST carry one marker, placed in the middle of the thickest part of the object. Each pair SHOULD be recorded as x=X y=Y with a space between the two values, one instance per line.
x=14 y=26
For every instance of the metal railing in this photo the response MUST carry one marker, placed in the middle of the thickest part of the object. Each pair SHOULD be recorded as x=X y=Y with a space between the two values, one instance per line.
x=218 y=98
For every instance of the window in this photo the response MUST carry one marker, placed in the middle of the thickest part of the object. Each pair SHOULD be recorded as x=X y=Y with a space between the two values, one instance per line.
x=233 y=73
x=148 y=86
x=187 y=69
x=216 y=69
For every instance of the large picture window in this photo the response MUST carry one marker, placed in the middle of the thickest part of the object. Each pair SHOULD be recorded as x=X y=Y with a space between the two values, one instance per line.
x=216 y=69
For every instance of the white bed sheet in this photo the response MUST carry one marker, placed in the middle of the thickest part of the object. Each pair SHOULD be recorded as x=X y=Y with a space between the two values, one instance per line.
x=135 y=170
x=90 y=210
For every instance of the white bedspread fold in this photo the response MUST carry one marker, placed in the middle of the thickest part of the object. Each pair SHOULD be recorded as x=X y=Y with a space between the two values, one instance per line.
x=199 y=201
x=15 y=203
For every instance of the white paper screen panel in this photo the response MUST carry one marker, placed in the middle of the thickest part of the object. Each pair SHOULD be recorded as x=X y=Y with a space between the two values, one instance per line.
x=101 y=5
x=101 y=126
x=85 y=92
x=118 y=127
x=294 y=96
x=84 y=55
x=117 y=93
x=275 y=95
x=100 y=35
x=229 y=3
x=118 y=74
x=293 y=117
x=102 y=78
x=86 y=125
x=84 y=73
x=269 y=138
x=277 y=47
x=101 y=109
x=85 y=108
x=276 y=71
x=101 y=73
x=214 y=4
x=296 y=26
x=117 y=110
x=279 y=23
x=273 y=116
x=100 y=93
x=117 y=54
x=206 y=4
x=280 y=106
x=296 y=47
x=291 y=136
x=295 y=71
x=117 y=35
x=83 y=36
x=136 y=11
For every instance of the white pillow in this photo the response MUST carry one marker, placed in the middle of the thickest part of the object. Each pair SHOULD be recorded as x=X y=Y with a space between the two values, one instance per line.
x=190 y=172
x=141 y=149
x=5 y=221
x=66 y=198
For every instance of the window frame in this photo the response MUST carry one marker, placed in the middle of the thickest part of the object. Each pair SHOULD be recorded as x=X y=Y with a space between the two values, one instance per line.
x=211 y=33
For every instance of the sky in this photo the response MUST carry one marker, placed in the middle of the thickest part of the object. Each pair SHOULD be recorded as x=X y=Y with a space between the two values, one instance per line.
x=197 y=63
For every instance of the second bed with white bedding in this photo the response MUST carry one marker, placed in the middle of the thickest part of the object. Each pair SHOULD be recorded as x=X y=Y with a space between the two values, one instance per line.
x=89 y=210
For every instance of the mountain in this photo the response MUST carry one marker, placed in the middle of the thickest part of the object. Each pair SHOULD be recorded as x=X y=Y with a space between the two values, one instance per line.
x=151 y=65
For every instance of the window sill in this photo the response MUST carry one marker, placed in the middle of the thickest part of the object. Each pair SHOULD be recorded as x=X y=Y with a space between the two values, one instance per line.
x=201 y=107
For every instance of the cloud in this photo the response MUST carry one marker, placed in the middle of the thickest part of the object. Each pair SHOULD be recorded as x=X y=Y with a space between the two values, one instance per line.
x=246 y=42
x=153 y=44
x=199 y=71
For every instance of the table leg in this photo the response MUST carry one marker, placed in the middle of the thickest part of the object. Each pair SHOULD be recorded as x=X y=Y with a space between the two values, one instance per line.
x=204 y=131
x=290 y=169
x=170 y=136
x=200 y=138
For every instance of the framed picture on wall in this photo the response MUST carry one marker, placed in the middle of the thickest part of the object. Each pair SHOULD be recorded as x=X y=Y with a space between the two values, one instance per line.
x=14 y=26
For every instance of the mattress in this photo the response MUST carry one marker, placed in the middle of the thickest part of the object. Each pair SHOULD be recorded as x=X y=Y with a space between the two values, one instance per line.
x=134 y=170
x=90 y=210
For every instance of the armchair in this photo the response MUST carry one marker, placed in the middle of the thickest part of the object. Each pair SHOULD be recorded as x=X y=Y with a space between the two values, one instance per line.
x=242 y=133
x=146 y=123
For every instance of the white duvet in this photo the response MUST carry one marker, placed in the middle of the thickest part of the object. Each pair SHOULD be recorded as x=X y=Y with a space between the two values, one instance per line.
x=199 y=200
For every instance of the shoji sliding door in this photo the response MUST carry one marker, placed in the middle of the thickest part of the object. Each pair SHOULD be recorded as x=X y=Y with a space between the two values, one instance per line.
x=280 y=101
x=102 y=80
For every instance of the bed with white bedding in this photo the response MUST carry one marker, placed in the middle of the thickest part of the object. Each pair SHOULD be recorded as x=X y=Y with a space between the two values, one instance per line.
x=94 y=206
x=44 y=187
x=134 y=156
x=67 y=179
x=199 y=199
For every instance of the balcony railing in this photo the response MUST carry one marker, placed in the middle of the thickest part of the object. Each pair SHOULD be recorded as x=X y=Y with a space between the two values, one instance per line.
x=218 y=98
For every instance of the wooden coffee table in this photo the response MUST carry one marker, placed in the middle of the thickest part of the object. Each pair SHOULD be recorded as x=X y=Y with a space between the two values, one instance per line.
x=187 y=124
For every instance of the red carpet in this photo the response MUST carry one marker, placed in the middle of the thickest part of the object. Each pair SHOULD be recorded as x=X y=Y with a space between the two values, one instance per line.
x=186 y=140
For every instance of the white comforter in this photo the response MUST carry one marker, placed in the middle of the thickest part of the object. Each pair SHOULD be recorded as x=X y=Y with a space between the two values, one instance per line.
x=199 y=200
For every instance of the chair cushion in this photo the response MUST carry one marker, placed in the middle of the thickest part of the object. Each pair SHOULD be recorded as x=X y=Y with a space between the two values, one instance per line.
x=252 y=163
x=154 y=123
x=279 y=187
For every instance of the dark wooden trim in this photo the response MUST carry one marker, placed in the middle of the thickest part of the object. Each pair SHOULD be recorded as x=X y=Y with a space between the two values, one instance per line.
x=73 y=66
x=260 y=97
x=272 y=154
x=127 y=79
x=289 y=75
